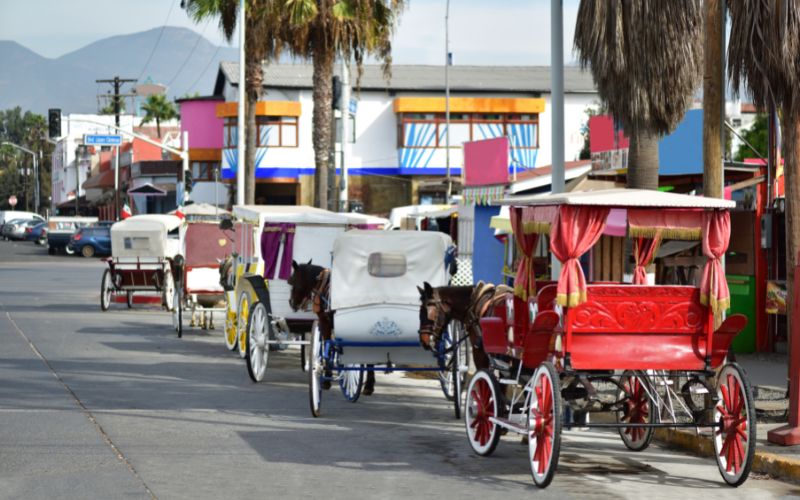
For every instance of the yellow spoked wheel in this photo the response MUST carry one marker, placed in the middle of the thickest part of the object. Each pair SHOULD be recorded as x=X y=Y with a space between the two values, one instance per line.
x=230 y=328
x=241 y=324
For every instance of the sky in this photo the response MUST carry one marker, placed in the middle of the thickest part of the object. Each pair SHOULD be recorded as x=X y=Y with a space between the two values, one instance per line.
x=509 y=32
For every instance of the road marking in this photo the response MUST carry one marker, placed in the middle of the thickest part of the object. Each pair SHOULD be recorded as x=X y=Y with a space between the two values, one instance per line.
x=120 y=456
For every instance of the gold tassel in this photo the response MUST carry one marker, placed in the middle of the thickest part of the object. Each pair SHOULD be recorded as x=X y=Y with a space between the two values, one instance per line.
x=683 y=233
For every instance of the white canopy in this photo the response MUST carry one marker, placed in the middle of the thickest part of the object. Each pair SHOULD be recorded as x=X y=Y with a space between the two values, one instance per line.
x=201 y=209
x=144 y=236
x=623 y=198
x=295 y=214
x=357 y=218
x=353 y=285
x=397 y=214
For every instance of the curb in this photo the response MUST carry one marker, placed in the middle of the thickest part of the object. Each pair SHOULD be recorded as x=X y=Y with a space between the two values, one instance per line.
x=774 y=465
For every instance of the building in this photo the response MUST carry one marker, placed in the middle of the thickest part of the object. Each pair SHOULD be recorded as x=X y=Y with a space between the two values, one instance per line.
x=396 y=154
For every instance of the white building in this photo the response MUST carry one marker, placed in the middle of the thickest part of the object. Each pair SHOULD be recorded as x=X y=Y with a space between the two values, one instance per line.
x=397 y=155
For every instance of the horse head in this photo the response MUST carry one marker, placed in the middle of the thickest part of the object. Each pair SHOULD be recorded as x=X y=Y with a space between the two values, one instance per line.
x=434 y=314
x=303 y=280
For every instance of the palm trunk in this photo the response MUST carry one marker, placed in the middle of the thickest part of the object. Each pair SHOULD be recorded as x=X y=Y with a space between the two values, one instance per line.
x=791 y=145
x=158 y=127
x=250 y=149
x=323 y=97
x=643 y=161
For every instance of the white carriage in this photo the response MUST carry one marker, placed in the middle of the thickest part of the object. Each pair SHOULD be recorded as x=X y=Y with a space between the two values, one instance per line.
x=374 y=294
x=142 y=248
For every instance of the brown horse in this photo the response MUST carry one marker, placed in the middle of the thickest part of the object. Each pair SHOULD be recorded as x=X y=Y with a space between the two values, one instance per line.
x=310 y=285
x=467 y=304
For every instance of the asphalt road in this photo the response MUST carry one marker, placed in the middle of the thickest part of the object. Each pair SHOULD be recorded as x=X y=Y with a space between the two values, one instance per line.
x=113 y=405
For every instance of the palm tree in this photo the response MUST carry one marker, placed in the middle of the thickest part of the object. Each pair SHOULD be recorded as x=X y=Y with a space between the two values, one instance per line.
x=646 y=59
x=321 y=29
x=763 y=55
x=263 y=31
x=157 y=108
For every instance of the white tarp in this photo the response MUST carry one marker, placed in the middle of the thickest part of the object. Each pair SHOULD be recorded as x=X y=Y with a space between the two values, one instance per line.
x=145 y=236
x=351 y=283
x=294 y=214
x=627 y=198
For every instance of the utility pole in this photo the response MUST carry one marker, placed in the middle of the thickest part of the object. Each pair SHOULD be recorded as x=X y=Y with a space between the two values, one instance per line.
x=117 y=83
x=240 y=121
x=713 y=104
x=447 y=100
x=344 y=186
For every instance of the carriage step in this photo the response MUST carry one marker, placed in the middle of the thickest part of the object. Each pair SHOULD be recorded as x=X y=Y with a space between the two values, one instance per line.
x=508 y=424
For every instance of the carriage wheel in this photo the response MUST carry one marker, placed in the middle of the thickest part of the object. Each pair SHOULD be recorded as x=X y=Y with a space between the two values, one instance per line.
x=230 y=327
x=451 y=334
x=129 y=299
x=168 y=292
x=479 y=408
x=351 y=382
x=242 y=313
x=544 y=424
x=637 y=409
x=177 y=312
x=735 y=439
x=316 y=371
x=105 y=290
x=458 y=381
x=257 y=347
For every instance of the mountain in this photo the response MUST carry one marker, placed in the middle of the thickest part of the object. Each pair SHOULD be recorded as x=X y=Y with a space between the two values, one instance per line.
x=183 y=60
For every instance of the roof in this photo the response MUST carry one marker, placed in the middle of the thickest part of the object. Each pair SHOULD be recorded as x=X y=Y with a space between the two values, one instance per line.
x=297 y=214
x=524 y=79
x=200 y=98
x=104 y=179
x=167 y=222
x=621 y=198
x=542 y=176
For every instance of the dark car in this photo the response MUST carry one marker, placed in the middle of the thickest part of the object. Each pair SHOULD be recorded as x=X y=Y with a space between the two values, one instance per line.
x=37 y=233
x=92 y=240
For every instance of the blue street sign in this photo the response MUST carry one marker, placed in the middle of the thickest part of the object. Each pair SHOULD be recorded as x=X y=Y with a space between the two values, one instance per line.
x=102 y=140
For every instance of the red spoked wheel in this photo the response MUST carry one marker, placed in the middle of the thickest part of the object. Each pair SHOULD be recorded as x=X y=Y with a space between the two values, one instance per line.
x=481 y=406
x=735 y=414
x=635 y=394
x=544 y=424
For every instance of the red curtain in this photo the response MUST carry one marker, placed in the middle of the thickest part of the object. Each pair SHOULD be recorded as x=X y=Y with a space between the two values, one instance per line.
x=716 y=234
x=575 y=231
x=644 y=251
x=525 y=280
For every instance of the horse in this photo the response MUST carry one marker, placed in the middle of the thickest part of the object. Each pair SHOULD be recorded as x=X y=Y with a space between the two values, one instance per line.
x=311 y=285
x=467 y=304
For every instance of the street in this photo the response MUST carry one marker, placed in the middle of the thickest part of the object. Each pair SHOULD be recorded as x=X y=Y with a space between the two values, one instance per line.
x=112 y=405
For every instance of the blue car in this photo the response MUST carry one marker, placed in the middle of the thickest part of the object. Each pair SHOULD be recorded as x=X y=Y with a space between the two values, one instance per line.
x=37 y=233
x=92 y=240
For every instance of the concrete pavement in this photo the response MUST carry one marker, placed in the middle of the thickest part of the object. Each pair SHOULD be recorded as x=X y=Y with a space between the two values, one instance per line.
x=117 y=406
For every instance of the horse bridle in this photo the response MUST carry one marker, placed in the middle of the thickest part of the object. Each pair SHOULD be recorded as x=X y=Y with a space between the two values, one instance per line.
x=436 y=325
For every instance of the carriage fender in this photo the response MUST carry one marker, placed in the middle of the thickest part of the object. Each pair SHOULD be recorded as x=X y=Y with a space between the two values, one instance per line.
x=256 y=288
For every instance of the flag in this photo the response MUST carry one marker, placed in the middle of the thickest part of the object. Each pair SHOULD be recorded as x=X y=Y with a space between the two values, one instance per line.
x=126 y=212
x=179 y=212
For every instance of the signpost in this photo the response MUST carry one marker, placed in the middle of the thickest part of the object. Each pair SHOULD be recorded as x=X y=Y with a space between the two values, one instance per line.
x=12 y=200
x=102 y=140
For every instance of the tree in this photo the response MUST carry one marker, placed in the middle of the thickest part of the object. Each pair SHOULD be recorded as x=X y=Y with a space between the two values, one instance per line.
x=593 y=110
x=158 y=108
x=108 y=109
x=763 y=56
x=646 y=59
x=757 y=136
x=28 y=130
x=264 y=28
x=321 y=29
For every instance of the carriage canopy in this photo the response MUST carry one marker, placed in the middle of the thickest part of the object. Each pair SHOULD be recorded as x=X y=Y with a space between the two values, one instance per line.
x=145 y=236
x=385 y=267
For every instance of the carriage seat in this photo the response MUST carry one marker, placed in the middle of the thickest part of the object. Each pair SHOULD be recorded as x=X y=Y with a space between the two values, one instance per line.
x=536 y=345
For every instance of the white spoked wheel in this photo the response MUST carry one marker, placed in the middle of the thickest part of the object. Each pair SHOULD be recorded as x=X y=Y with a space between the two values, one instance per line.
x=480 y=407
x=257 y=347
x=544 y=424
x=230 y=324
x=635 y=394
x=69 y=250
x=735 y=414
x=106 y=289
x=242 y=314
x=316 y=371
x=168 y=293
x=351 y=381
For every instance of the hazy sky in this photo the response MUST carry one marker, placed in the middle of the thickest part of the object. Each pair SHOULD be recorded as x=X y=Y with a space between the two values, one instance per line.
x=481 y=32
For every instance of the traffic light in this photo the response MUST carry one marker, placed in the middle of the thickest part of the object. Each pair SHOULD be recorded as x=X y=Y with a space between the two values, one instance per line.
x=337 y=93
x=54 y=123
x=188 y=181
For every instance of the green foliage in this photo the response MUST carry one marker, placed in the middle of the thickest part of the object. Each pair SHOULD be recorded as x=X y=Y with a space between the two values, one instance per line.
x=758 y=136
x=108 y=109
x=27 y=130
x=158 y=108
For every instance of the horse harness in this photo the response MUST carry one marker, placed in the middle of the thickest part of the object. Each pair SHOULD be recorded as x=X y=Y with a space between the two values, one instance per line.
x=484 y=296
x=321 y=292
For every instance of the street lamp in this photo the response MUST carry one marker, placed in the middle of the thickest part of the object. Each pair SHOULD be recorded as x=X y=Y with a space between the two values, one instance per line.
x=35 y=169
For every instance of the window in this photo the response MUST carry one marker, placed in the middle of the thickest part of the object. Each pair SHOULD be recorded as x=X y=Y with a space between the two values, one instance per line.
x=229 y=137
x=428 y=130
x=204 y=170
x=277 y=131
x=386 y=265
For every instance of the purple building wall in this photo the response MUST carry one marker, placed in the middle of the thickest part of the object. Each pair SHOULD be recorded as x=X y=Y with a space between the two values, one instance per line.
x=199 y=118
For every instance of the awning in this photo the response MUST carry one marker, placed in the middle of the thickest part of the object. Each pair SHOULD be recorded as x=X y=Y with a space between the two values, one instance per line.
x=148 y=190
x=103 y=179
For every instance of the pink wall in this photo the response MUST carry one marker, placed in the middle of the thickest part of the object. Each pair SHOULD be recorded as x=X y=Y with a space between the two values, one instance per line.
x=199 y=118
x=486 y=162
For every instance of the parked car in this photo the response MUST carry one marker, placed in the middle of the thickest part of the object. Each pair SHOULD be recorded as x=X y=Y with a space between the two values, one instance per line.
x=60 y=231
x=92 y=240
x=9 y=215
x=15 y=229
x=37 y=233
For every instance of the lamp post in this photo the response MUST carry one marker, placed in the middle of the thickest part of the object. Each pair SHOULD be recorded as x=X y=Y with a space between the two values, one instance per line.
x=35 y=171
x=447 y=99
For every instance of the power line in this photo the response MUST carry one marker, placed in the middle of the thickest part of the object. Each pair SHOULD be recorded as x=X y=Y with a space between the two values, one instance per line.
x=158 y=40
x=200 y=76
x=191 y=53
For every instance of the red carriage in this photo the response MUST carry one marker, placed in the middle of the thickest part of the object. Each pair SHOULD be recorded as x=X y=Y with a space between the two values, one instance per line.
x=650 y=356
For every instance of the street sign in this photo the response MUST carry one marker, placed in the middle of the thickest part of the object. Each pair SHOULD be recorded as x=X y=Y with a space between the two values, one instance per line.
x=102 y=140
x=12 y=200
